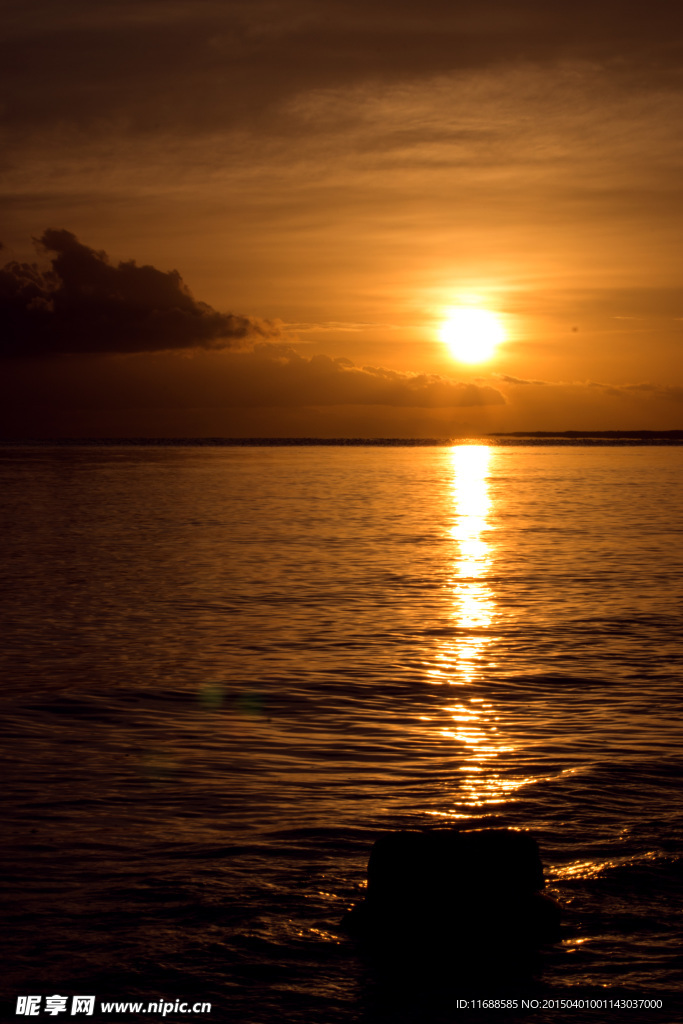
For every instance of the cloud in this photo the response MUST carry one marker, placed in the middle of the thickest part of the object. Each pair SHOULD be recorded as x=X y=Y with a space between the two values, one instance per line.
x=197 y=62
x=84 y=304
x=270 y=391
x=507 y=379
x=277 y=375
x=662 y=392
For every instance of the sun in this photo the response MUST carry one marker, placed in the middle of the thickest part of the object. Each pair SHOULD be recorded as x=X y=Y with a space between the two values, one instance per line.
x=471 y=334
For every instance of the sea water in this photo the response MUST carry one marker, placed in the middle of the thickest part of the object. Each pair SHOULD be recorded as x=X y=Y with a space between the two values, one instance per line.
x=227 y=670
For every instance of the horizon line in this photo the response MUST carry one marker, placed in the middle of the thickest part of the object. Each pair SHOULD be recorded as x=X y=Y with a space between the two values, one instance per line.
x=672 y=437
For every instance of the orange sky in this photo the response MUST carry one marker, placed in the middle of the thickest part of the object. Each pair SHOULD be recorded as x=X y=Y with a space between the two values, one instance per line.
x=351 y=170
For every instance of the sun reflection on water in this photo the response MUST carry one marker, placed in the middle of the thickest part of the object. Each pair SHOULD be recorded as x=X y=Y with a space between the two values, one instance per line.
x=473 y=606
x=460 y=657
x=473 y=603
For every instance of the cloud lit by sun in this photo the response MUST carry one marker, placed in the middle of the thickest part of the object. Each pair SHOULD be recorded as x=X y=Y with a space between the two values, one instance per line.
x=472 y=335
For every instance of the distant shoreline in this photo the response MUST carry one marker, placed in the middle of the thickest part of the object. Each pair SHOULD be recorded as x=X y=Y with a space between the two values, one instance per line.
x=643 y=434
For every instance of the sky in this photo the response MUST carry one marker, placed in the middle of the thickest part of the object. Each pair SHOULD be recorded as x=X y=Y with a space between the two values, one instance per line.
x=242 y=219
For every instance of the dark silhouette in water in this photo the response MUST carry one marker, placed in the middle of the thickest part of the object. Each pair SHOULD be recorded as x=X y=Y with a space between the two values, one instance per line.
x=435 y=893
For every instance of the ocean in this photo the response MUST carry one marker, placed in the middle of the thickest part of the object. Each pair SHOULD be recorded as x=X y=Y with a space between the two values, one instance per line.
x=228 y=669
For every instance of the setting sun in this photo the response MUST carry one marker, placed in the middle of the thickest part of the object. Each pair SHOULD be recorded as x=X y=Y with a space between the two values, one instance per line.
x=472 y=334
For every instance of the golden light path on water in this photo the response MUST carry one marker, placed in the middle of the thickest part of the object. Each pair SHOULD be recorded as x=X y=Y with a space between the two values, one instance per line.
x=460 y=659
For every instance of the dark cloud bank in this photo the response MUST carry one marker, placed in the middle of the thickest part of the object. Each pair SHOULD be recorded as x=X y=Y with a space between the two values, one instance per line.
x=85 y=304
x=277 y=375
x=85 y=334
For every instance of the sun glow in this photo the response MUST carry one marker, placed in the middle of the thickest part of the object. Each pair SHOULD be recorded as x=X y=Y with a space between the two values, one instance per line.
x=471 y=334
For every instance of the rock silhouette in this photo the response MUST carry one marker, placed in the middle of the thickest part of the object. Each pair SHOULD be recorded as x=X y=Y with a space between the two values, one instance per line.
x=443 y=889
